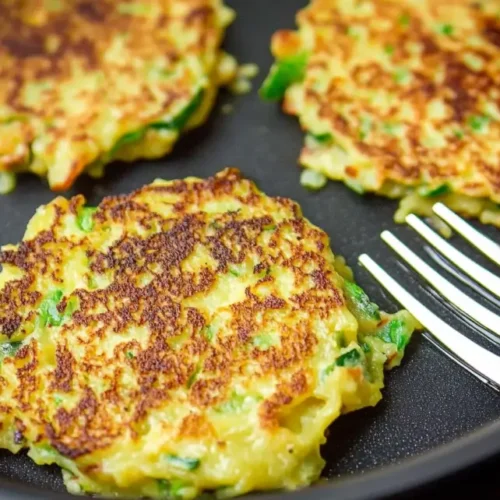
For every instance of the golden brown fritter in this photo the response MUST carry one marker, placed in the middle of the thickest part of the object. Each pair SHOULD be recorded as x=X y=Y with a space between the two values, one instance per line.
x=399 y=97
x=83 y=82
x=190 y=336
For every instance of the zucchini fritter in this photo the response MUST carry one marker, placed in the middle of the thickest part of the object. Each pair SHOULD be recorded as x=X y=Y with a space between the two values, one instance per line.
x=83 y=83
x=398 y=97
x=194 y=335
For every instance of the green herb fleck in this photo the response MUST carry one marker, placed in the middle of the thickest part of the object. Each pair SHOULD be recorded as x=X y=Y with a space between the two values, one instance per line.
x=391 y=128
x=208 y=332
x=182 y=119
x=473 y=62
x=350 y=358
x=365 y=347
x=358 y=298
x=85 y=218
x=478 y=123
x=404 y=20
x=459 y=134
x=355 y=31
x=402 y=76
x=389 y=49
x=171 y=489
x=58 y=400
x=128 y=138
x=264 y=342
x=192 y=378
x=130 y=355
x=445 y=29
x=435 y=191
x=185 y=463
x=283 y=74
x=395 y=332
x=233 y=405
x=48 y=312
x=9 y=349
x=365 y=126
x=234 y=272
x=270 y=227
x=322 y=138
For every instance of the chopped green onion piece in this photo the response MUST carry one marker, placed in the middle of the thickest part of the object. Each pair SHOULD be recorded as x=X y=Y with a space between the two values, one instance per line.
x=402 y=76
x=233 y=405
x=7 y=182
x=473 y=62
x=404 y=20
x=436 y=191
x=478 y=123
x=445 y=29
x=389 y=49
x=270 y=227
x=284 y=73
x=311 y=179
x=322 y=138
x=58 y=400
x=85 y=220
x=392 y=128
x=264 y=342
x=183 y=462
x=365 y=126
x=130 y=355
x=192 y=378
x=365 y=347
x=171 y=489
x=234 y=272
x=356 y=295
x=182 y=119
x=127 y=138
x=350 y=358
x=208 y=332
x=459 y=134
x=9 y=349
x=395 y=332
x=48 y=312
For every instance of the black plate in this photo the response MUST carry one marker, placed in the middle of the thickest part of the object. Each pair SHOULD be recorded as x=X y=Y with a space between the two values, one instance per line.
x=432 y=409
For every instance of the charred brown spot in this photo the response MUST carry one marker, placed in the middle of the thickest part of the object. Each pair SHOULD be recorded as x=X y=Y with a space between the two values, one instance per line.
x=492 y=32
x=63 y=375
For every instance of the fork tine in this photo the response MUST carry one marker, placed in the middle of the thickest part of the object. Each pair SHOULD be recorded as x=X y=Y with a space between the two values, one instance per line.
x=475 y=271
x=472 y=308
x=483 y=363
x=479 y=240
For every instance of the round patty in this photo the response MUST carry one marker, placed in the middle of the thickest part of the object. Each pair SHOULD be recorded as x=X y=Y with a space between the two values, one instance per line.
x=194 y=335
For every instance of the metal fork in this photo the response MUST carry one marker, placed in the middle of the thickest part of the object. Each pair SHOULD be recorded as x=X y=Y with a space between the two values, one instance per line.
x=479 y=361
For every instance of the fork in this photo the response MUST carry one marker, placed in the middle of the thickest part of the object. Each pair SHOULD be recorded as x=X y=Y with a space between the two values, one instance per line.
x=482 y=363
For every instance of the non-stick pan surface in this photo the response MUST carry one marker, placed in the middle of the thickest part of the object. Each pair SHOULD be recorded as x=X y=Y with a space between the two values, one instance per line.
x=435 y=418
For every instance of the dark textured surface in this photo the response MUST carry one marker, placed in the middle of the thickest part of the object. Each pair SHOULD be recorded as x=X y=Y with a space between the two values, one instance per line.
x=428 y=401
